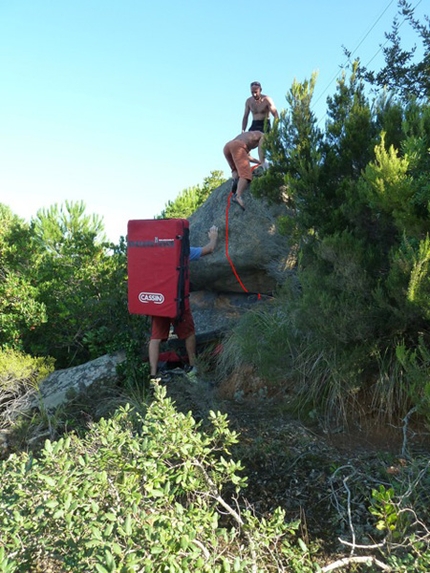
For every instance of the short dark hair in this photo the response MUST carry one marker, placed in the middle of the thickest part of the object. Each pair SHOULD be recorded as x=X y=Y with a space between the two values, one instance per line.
x=256 y=84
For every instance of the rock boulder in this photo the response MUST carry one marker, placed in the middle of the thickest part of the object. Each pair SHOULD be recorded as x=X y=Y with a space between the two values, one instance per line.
x=250 y=250
x=54 y=390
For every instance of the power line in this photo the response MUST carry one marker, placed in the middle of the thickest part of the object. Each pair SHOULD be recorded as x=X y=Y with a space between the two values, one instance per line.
x=359 y=44
x=387 y=40
x=353 y=52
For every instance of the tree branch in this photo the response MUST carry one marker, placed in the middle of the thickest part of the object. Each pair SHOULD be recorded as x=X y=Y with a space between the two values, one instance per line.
x=349 y=560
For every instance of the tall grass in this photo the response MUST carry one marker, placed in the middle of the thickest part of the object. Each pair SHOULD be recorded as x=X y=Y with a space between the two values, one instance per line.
x=335 y=379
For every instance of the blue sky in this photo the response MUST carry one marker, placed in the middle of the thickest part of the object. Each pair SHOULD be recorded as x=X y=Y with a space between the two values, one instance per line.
x=123 y=104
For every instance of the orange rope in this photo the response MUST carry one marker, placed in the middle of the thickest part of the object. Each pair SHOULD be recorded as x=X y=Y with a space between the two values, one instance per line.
x=226 y=247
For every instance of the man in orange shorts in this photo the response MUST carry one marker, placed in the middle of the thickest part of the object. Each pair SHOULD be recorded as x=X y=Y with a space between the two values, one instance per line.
x=237 y=154
x=184 y=327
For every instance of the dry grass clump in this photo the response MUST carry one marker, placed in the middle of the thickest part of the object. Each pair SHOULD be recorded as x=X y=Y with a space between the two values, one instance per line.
x=244 y=382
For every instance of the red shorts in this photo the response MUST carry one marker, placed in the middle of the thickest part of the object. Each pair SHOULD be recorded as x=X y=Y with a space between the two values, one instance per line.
x=183 y=328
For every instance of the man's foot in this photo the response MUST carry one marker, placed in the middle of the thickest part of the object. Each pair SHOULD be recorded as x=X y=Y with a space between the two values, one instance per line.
x=192 y=374
x=236 y=199
x=158 y=378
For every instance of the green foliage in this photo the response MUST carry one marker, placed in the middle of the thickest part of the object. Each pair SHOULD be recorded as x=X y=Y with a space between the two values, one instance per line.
x=389 y=189
x=17 y=368
x=358 y=199
x=60 y=228
x=384 y=509
x=292 y=147
x=19 y=374
x=262 y=339
x=419 y=284
x=7 y=565
x=415 y=365
x=83 y=286
x=19 y=308
x=139 y=495
x=189 y=200
x=403 y=73
x=134 y=373
x=323 y=374
x=397 y=500
x=400 y=508
x=63 y=290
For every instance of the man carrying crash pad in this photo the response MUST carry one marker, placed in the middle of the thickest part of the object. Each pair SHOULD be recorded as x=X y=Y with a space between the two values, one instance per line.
x=184 y=327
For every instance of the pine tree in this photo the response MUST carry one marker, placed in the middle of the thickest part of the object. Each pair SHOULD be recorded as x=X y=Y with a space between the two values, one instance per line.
x=404 y=74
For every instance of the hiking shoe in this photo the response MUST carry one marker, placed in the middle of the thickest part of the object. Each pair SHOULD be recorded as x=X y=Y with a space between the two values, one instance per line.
x=188 y=368
x=159 y=378
x=192 y=375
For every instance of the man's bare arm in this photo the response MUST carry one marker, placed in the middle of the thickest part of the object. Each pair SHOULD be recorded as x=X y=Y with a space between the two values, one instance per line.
x=245 y=115
x=261 y=149
x=213 y=237
x=272 y=108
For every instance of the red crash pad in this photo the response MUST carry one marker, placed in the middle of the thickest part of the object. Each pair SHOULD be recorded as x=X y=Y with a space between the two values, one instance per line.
x=157 y=263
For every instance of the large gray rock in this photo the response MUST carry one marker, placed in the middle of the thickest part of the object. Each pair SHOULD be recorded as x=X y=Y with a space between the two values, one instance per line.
x=257 y=252
x=219 y=311
x=54 y=389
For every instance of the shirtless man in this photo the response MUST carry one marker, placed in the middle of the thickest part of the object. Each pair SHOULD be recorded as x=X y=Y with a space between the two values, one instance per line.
x=237 y=154
x=261 y=106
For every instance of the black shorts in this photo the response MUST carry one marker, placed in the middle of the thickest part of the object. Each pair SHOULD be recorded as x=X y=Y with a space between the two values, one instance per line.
x=260 y=125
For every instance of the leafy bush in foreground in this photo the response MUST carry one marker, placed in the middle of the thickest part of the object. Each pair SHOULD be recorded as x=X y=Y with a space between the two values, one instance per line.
x=138 y=495
x=19 y=374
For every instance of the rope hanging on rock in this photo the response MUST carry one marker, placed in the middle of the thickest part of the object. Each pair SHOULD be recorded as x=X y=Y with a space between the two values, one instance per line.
x=233 y=268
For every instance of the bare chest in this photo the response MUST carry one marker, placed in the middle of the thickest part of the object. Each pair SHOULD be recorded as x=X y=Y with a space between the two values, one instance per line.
x=259 y=106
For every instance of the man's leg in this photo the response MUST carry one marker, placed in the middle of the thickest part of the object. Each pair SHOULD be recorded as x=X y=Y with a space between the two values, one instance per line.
x=241 y=160
x=190 y=345
x=235 y=181
x=228 y=156
x=242 y=186
x=186 y=331
x=160 y=327
x=154 y=353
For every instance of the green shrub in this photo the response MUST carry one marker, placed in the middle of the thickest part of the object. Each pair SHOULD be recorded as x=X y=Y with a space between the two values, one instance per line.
x=190 y=199
x=19 y=368
x=264 y=339
x=398 y=503
x=136 y=494
x=19 y=374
